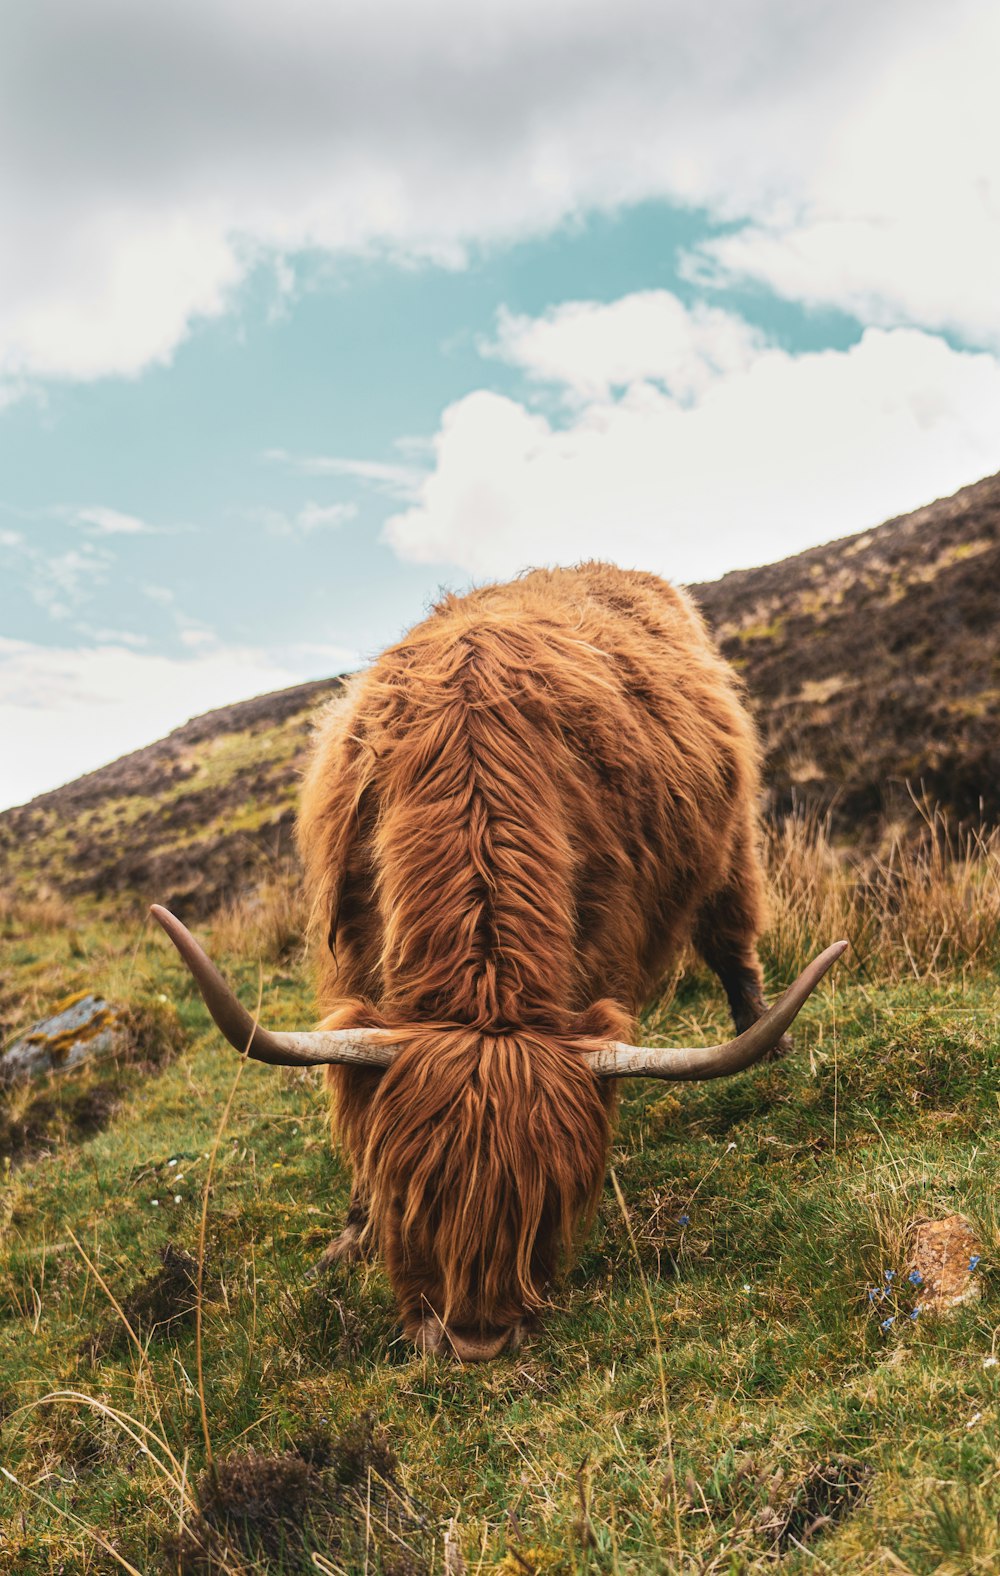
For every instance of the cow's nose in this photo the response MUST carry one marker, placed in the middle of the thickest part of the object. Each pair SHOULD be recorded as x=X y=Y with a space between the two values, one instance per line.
x=469 y=1346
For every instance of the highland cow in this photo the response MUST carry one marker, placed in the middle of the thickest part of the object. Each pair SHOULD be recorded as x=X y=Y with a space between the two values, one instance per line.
x=512 y=823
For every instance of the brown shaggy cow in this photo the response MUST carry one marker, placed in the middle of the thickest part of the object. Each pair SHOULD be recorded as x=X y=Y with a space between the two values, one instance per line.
x=512 y=822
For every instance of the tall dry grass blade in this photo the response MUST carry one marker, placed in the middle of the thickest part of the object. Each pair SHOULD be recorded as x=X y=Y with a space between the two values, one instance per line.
x=202 y=1234
x=661 y=1370
x=84 y=1526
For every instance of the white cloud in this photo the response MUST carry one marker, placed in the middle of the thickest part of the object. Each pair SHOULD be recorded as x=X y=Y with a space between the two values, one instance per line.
x=388 y=476
x=155 y=153
x=66 y=712
x=62 y=582
x=311 y=516
x=899 y=217
x=316 y=516
x=593 y=348
x=111 y=522
x=771 y=454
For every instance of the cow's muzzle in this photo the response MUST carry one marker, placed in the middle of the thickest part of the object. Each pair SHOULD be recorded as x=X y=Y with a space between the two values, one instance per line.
x=468 y=1346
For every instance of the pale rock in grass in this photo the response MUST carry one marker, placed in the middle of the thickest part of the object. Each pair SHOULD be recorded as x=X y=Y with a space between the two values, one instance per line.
x=82 y=1027
x=944 y=1253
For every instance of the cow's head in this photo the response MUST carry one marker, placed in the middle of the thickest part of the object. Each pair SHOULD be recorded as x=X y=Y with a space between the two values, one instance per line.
x=483 y=1158
x=481 y=1154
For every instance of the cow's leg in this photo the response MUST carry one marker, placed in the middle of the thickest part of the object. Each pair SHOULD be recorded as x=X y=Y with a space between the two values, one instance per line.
x=726 y=931
x=349 y=1244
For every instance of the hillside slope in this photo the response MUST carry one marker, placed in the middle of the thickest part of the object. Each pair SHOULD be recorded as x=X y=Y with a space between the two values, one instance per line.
x=872 y=663
x=195 y=817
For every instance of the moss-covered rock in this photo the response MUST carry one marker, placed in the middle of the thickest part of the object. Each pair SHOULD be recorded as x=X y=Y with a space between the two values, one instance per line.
x=81 y=1027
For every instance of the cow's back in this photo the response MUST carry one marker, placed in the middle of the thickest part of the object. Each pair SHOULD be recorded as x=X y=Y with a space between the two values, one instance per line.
x=521 y=806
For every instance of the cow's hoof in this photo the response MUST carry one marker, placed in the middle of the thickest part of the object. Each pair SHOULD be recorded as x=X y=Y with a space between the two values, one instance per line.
x=783 y=1048
x=345 y=1249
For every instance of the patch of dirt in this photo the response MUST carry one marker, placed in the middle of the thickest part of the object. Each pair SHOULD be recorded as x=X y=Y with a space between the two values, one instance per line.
x=796 y=1514
x=362 y=1449
x=253 y=1504
x=944 y=1253
x=159 y=1304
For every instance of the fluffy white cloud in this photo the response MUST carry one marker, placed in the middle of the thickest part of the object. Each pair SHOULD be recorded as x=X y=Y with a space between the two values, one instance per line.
x=693 y=473
x=593 y=348
x=66 y=712
x=899 y=217
x=153 y=153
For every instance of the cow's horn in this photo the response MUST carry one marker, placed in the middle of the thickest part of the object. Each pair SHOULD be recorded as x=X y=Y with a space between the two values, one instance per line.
x=354 y=1047
x=616 y=1060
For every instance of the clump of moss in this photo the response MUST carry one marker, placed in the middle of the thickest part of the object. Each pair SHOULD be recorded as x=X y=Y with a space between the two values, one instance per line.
x=253 y=1504
x=364 y=1448
x=327 y=1492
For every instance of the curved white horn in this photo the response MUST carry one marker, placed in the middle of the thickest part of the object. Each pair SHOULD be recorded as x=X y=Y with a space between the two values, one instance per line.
x=616 y=1060
x=352 y=1047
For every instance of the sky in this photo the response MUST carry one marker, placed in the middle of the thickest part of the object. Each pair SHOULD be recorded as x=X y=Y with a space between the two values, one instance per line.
x=309 y=311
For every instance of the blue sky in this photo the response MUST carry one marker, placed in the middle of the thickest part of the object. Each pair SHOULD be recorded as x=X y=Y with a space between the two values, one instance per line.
x=303 y=317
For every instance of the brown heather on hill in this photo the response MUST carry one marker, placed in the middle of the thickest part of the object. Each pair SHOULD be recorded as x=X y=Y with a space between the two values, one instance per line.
x=872 y=664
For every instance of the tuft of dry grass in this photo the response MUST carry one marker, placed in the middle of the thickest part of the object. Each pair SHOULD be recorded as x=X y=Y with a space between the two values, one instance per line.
x=925 y=908
x=266 y=925
x=44 y=911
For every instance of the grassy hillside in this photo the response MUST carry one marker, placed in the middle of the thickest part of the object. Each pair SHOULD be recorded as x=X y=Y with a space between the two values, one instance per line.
x=197 y=817
x=716 y=1388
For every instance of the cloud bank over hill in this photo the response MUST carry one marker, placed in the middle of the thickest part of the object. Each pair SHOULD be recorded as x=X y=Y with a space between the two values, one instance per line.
x=684 y=442
x=155 y=155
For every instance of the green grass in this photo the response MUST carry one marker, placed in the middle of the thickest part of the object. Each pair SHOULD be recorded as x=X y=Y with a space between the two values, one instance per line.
x=761 y=1396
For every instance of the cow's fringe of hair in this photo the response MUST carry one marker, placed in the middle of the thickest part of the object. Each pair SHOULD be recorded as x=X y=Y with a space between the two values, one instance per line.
x=482 y=1158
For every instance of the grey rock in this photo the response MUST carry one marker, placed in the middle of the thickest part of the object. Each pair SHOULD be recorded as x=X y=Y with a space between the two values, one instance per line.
x=82 y=1027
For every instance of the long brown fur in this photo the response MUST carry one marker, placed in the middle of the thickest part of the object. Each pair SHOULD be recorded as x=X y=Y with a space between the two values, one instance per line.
x=510 y=825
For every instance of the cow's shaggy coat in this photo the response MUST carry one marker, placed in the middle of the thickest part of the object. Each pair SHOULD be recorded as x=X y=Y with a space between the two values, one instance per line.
x=510 y=825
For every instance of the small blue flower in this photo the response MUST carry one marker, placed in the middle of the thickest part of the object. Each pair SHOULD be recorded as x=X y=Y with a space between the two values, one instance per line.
x=890 y=1275
x=873 y=1292
x=886 y=1322
x=973 y=1261
x=915 y=1278
x=684 y=1220
x=915 y=1314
